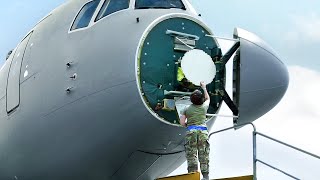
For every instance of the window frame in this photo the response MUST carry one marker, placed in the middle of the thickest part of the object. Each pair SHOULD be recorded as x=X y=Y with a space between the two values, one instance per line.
x=76 y=17
x=184 y=6
x=97 y=18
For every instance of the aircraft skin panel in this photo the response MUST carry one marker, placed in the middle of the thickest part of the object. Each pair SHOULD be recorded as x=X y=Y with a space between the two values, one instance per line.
x=13 y=83
x=152 y=172
x=88 y=134
x=146 y=159
x=3 y=112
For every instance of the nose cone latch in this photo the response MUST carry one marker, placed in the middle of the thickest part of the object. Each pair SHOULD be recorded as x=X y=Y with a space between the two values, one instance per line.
x=260 y=78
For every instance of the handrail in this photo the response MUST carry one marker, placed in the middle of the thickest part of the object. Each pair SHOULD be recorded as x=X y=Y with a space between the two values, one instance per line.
x=254 y=145
x=277 y=169
x=233 y=127
x=288 y=145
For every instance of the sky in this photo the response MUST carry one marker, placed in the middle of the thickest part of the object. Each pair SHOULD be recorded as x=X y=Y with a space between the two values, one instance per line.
x=292 y=28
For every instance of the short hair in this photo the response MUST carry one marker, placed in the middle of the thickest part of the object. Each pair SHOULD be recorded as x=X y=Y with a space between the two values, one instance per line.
x=197 y=97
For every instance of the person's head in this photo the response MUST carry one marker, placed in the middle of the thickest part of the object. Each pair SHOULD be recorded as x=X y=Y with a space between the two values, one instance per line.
x=197 y=97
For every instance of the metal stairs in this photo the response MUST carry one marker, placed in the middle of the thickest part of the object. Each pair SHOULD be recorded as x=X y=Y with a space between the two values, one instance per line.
x=196 y=176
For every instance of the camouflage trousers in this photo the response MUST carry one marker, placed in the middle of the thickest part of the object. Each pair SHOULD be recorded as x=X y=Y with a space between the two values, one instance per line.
x=197 y=143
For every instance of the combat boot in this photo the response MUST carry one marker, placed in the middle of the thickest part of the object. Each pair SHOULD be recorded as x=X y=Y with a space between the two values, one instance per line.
x=205 y=176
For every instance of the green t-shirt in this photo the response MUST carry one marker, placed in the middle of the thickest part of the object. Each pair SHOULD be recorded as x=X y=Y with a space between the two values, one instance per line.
x=196 y=114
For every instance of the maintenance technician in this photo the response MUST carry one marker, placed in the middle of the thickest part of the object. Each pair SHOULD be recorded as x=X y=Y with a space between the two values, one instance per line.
x=194 y=118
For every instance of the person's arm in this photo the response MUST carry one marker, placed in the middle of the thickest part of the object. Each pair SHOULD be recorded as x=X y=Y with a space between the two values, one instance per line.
x=183 y=117
x=206 y=94
x=183 y=120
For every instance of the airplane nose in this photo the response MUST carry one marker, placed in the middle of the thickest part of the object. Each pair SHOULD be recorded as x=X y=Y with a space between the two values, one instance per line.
x=261 y=79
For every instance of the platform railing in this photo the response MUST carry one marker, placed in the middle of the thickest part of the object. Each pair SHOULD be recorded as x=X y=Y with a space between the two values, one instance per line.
x=254 y=151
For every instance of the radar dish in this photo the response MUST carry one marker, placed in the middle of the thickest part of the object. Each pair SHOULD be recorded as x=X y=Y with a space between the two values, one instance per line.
x=198 y=66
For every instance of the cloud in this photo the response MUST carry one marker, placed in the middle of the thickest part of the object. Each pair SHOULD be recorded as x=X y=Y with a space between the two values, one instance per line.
x=295 y=120
x=305 y=27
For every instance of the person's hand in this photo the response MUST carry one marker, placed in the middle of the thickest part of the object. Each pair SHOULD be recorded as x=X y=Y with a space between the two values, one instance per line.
x=203 y=85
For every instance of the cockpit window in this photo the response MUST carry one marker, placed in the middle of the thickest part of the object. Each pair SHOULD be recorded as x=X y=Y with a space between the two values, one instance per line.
x=111 y=6
x=83 y=18
x=161 y=4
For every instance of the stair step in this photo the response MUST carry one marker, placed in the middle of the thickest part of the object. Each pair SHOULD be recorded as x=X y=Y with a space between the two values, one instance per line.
x=189 y=176
x=237 y=178
x=196 y=176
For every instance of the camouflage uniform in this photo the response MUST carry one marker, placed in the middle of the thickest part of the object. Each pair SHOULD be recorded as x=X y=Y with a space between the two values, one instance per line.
x=197 y=143
x=197 y=138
